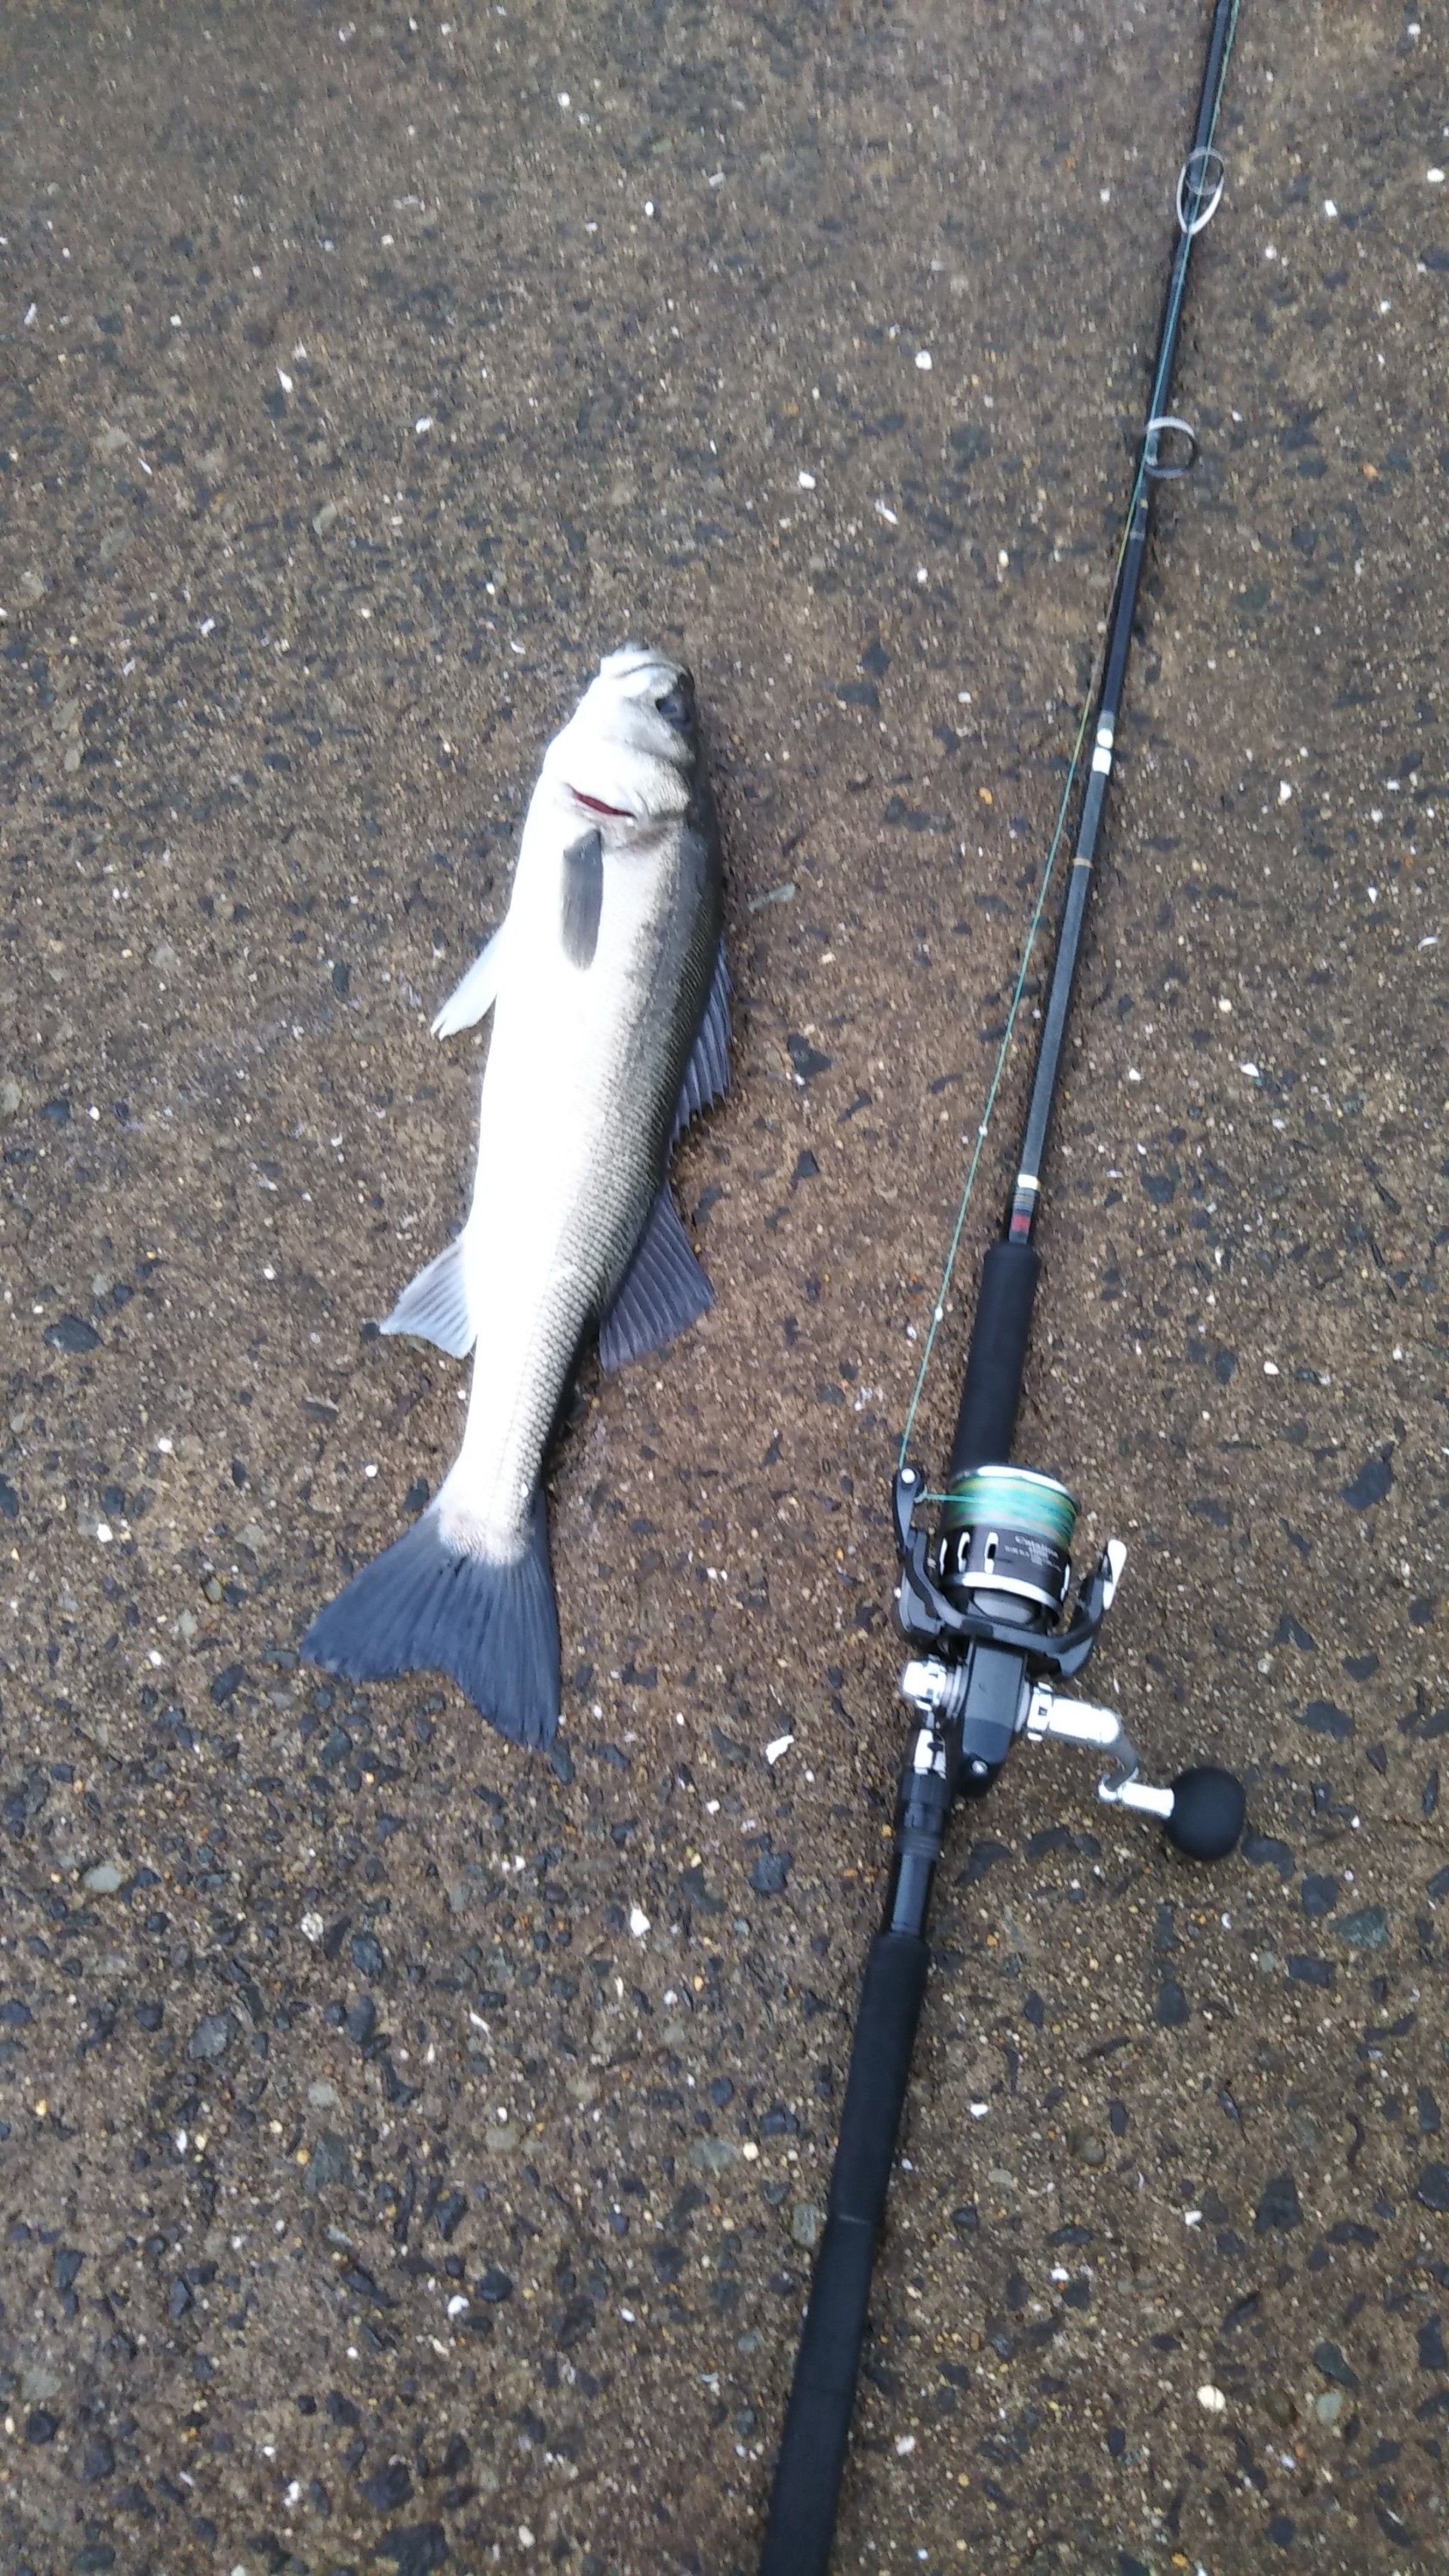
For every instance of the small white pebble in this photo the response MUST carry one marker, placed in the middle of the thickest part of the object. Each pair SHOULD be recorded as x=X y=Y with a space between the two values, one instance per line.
x=104 y=1532
x=1211 y=2400
x=312 y=1927
x=1271 y=1369
x=776 y=1751
x=284 y=380
x=1224 y=1005
x=805 y=481
x=883 y=511
x=1250 y=1070
x=649 y=207
x=207 y=625
x=1435 y=178
x=1330 y=209
x=905 y=2444
x=369 y=1471
x=564 y=99
x=638 y=1921
x=978 y=2110
x=422 y=425
x=923 y=361
x=457 y=2305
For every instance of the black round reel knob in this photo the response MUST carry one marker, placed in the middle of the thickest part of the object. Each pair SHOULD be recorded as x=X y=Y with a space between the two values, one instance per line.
x=1208 y=1809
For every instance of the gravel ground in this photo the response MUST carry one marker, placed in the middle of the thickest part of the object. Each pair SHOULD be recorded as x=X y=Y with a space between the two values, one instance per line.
x=382 y=2193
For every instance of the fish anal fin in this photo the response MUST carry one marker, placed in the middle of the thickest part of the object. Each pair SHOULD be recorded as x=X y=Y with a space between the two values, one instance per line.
x=663 y=1292
x=435 y=1305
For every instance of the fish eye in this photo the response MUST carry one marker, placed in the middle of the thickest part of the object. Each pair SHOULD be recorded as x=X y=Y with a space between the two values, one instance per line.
x=677 y=704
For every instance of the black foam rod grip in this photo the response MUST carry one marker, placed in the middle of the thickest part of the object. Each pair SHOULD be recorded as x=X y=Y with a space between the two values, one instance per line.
x=822 y=2395
x=996 y=1363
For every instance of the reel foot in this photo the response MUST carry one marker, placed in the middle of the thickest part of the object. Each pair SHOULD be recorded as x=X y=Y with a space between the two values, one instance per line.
x=1208 y=1810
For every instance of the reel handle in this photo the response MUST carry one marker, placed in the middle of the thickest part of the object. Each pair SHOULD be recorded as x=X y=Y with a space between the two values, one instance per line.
x=1208 y=1810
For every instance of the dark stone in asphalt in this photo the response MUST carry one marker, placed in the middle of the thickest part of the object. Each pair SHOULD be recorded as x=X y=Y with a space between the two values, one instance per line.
x=1279 y=2206
x=212 y=2036
x=72 y=1333
x=417 y=2549
x=1373 y=1483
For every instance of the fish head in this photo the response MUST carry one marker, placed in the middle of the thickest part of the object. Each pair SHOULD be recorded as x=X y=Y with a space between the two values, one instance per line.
x=628 y=758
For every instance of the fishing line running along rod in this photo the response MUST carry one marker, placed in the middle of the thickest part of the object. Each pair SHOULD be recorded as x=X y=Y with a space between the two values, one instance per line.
x=982 y=1596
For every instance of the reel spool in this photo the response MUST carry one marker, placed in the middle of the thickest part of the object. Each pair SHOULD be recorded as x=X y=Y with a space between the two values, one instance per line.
x=1008 y=1530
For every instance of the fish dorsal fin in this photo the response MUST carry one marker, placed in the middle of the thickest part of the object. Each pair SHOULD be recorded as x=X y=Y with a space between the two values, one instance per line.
x=435 y=1305
x=707 y=1075
x=664 y=1290
x=477 y=992
x=583 y=898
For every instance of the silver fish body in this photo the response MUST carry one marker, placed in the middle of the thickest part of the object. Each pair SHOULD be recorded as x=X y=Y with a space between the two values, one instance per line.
x=610 y=1002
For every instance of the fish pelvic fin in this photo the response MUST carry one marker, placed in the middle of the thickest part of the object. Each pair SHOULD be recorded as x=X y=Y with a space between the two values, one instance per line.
x=476 y=994
x=663 y=1291
x=426 y=1606
x=435 y=1305
x=707 y=1074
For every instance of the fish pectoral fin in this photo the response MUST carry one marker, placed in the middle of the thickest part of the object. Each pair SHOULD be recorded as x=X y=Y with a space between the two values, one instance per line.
x=435 y=1305
x=664 y=1290
x=476 y=994
x=583 y=898
x=707 y=1075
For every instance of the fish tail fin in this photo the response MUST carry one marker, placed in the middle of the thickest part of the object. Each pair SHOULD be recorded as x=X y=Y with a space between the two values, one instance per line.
x=427 y=1605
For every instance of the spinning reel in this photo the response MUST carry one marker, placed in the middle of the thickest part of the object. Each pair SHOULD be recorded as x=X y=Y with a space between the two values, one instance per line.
x=985 y=1599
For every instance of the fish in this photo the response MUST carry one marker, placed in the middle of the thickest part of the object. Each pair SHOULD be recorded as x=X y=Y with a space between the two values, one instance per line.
x=610 y=996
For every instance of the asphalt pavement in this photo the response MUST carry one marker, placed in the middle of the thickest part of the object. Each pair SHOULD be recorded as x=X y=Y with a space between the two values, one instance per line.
x=411 y=2151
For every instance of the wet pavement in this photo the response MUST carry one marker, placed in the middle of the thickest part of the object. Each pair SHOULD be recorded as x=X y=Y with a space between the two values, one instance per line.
x=411 y=2152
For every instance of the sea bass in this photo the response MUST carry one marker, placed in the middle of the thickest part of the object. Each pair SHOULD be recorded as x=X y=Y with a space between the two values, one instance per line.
x=610 y=1001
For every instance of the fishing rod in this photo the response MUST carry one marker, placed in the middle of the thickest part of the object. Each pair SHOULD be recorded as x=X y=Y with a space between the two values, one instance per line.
x=982 y=1596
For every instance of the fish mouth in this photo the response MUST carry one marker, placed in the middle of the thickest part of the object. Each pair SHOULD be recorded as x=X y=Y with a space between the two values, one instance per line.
x=596 y=805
